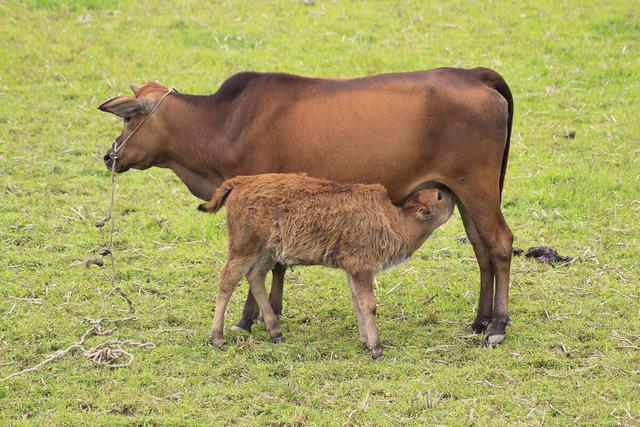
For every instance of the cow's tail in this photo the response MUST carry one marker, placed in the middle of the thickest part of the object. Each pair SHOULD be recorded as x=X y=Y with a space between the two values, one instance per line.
x=496 y=82
x=219 y=197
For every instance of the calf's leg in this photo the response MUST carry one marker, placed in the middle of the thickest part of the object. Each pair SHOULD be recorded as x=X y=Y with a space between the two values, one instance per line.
x=256 y=278
x=252 y=311
x=363 y=288
x=230 y=275
x=362 y=329
x=277 y=287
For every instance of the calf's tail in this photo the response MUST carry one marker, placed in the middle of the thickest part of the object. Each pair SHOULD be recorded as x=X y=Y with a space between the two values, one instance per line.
x=219 y=197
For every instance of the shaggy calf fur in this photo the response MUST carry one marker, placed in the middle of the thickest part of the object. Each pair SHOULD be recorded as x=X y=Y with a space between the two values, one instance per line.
x=297 y=220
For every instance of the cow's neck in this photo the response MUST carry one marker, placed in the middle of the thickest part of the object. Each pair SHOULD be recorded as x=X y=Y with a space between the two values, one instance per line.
x=199 y=184
x=191 y=150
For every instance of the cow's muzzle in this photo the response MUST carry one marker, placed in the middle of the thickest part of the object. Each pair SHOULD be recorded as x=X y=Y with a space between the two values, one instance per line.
x=109 y=158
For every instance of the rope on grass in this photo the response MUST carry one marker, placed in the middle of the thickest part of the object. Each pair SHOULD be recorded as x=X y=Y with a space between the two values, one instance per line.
x=111 y=352
x=108 y=353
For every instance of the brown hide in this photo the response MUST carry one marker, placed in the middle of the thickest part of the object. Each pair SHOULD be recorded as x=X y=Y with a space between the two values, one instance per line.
x=399 y=130
x=292 y=219
x=304 y=220
x=402 y=130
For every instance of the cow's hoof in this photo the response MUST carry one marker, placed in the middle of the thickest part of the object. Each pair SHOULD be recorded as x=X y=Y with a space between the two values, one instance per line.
x=240 y=327
x=244 y=324
x=493 y=340
x=496 y=333
x=376 y=354
x=479 y=325
x=277 y=339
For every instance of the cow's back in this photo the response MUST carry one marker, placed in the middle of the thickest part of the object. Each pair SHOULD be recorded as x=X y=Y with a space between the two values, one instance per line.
x=398 y=129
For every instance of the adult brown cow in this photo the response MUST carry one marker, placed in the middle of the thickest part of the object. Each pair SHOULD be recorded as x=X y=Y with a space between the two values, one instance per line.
x=402 y=130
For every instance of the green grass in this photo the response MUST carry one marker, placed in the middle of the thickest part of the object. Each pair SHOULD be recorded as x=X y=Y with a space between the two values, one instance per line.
x=571 y=66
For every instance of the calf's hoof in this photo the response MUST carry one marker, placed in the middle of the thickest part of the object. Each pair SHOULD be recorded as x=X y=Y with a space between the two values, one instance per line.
x=376 y=353
x=217 y=339
x=219 y=344
x=277 y=339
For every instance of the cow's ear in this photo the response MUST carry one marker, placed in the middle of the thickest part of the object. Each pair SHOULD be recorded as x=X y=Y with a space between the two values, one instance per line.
x=127 y=106
x=121 y=106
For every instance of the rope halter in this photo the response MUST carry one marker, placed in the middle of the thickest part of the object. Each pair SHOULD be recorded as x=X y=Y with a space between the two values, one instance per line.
x=118 y=147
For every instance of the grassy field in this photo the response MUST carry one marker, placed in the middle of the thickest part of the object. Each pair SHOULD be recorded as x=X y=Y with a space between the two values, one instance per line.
x=573 y=352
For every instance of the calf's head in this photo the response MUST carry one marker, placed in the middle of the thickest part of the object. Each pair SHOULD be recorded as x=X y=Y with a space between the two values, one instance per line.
x=145 y=148
x=430 y=207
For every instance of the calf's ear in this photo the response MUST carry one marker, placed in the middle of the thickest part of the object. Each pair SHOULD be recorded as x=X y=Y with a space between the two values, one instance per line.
x=424 y=213
x=126 y=106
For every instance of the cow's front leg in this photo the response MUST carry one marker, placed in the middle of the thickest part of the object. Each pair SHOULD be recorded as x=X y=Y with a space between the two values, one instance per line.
x=250 y=312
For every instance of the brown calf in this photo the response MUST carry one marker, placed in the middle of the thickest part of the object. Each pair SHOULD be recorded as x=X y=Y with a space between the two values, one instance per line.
x=297 y=220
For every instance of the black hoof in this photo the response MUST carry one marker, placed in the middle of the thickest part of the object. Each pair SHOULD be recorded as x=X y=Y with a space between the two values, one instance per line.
x=493 y=340
x=278 y=339
x=243 y=324
x=496 y=333
x=479 y=325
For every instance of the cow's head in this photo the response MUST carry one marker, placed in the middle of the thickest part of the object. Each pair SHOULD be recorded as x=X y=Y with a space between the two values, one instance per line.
x=145 y=147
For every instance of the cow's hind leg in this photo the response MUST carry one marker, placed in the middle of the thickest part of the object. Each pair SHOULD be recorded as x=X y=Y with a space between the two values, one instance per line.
x=277 y=287
x=501 y=260
x=485 y=304
x=251 y=310
x=483 y=209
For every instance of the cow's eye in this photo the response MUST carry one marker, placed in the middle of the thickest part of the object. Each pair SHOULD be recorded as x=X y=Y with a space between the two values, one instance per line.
x=126 y=119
